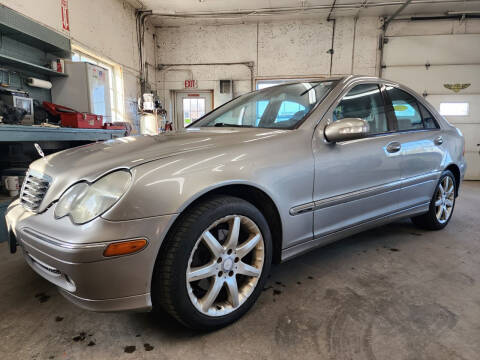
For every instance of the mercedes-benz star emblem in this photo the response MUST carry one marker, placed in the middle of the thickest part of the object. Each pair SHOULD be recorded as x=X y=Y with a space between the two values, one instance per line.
x=39 y=150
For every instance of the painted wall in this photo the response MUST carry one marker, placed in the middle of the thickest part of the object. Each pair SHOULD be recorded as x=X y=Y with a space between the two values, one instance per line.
x=280 y=49
x=106 y=28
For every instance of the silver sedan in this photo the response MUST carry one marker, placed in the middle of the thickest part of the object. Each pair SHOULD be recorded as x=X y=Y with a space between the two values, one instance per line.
x=190 y=221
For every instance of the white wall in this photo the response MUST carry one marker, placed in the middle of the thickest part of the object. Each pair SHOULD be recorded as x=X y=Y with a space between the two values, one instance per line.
x=280 y=49
x=106 y=28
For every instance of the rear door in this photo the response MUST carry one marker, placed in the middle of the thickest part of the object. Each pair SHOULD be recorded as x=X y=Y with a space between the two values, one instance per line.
x=421 y=146
x=445 y=69
x=357 y=180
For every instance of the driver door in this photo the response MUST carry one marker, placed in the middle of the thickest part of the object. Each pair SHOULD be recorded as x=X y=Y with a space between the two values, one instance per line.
x=357 y=180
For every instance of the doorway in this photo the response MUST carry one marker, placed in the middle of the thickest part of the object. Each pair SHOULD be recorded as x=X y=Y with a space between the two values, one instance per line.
x=191 y=105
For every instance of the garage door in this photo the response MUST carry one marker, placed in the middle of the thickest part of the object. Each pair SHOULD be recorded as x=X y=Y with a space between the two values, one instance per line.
x=447 y=69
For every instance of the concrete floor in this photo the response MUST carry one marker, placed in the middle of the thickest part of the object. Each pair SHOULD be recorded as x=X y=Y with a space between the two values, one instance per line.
x=391 y=293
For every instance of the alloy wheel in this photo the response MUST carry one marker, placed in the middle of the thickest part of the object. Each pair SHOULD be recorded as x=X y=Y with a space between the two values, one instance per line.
x=444 y=199
x=225 y=265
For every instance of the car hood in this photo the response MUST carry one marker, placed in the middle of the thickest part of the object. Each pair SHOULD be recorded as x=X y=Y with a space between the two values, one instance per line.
x=94 y=159
x=91 y=161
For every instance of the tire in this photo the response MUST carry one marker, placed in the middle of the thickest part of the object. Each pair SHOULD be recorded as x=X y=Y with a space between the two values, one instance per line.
x=188 y=247
x=431 y=220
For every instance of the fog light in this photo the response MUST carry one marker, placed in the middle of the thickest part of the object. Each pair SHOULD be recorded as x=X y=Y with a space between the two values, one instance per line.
x=125 y=247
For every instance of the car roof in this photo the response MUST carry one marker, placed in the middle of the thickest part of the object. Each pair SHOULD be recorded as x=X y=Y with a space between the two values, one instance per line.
x=344 y=79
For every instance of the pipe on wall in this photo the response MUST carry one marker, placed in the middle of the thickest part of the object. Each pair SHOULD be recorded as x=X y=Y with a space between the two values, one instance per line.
x=445 y=17
x=229 y=14
x=249 y=64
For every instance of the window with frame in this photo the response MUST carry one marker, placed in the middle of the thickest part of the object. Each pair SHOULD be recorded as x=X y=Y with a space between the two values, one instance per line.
x=115 y=77
x=429 y=121
x=193 y=109
x=364 y=101
x=406 y=109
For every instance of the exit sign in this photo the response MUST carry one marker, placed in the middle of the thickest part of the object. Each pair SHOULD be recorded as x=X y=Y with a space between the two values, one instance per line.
x=190 y=84
x=65 y=20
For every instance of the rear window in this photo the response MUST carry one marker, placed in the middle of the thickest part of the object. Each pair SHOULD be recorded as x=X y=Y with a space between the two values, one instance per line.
x=409 y=112
x=406 y=109
x=428 y=120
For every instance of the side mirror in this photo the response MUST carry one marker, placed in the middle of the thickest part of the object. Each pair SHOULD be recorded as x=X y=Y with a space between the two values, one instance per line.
x=346 y=129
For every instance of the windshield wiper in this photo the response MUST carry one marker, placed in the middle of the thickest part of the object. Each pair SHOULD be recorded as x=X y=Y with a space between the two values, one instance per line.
x=231 y=125
x=313 y=87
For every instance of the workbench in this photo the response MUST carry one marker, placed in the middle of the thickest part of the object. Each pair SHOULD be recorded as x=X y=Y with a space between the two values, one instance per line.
x=16 y=133
x=22 y=137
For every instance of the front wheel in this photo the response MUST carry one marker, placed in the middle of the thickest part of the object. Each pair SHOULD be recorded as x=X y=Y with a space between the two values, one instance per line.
x=441 y=206
x=214 y=264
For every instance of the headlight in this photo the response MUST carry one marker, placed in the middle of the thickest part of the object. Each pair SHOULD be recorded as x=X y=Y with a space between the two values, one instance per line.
x=83 y=202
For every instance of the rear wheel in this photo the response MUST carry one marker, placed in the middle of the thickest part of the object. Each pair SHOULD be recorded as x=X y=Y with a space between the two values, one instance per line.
x=441 y=206
x=214 y=264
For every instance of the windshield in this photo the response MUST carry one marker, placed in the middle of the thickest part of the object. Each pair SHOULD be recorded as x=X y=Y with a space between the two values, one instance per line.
x=278 y=107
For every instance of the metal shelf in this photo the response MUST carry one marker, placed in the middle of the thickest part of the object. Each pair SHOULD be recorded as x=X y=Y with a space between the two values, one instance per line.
x=25 y=65
x=24 y=30
x=14 y=133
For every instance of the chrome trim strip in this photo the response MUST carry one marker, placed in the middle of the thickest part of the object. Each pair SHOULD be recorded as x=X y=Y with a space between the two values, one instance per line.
x=422 y=178
x=65 y=245
x=325 y=239
x=356 y=195
x=363 y=193
x=301 y=209
x=34 y=189
x=376 y=218
x=52 y=271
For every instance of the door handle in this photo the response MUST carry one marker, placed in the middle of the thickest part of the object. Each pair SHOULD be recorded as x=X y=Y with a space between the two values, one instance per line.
x=394 y=147
x=438 y=140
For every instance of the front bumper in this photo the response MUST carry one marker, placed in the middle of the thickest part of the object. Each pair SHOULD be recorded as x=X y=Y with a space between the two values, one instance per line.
x=71 y=257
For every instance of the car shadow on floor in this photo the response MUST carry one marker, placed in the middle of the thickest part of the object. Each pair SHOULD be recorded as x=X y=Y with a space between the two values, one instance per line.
x=164 y=325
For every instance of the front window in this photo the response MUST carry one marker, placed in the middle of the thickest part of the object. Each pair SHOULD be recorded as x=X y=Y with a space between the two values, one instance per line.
x=365 y=102
x=278 y=107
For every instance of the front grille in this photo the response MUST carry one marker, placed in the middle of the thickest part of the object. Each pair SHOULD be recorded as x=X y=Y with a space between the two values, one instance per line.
x=33 y=190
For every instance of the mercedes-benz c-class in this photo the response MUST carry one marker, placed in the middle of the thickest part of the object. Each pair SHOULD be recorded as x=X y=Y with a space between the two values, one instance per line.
x=190 y=221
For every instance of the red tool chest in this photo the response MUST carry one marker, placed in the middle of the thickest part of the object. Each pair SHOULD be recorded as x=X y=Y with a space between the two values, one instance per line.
x=74 y=119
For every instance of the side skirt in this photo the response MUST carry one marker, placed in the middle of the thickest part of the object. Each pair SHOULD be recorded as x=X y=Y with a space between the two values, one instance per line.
x=299 y=249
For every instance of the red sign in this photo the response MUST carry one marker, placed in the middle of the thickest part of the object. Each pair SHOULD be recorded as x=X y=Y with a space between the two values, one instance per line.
x=65 y=20
x=190 y=84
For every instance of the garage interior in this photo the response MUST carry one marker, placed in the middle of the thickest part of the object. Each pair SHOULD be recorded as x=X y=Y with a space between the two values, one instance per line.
x=150 y=66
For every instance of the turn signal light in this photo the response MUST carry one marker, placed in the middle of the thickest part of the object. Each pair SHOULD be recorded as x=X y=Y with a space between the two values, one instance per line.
x=125 y=247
